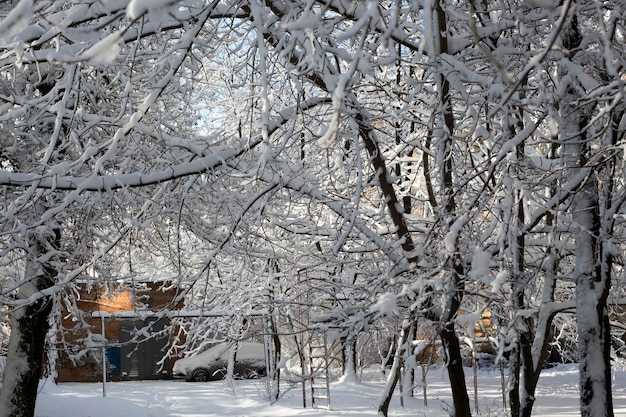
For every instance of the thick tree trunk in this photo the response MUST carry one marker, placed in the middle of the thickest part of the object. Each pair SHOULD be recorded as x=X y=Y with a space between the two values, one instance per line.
x=29 y=326
x=592 y=269
x=592 y=285
x=25 y=358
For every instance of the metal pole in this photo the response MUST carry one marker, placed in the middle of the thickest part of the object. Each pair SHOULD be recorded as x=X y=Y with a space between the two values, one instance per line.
x=475 y=370
x=424 y=387
x=104 y=360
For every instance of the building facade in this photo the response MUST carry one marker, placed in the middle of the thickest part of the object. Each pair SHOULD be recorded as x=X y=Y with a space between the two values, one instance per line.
x=125 y=324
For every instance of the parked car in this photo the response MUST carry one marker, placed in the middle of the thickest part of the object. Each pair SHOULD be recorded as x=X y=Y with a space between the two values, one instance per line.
x=211 y=364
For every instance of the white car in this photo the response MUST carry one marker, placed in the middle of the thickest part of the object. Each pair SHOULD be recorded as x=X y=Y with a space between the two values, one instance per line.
x=211 y=364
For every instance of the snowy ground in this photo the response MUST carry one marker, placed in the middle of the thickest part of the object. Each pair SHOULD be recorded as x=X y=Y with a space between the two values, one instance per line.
x=557 y=395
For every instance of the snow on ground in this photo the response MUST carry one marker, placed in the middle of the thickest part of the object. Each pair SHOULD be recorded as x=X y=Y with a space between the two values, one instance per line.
x=557 y=395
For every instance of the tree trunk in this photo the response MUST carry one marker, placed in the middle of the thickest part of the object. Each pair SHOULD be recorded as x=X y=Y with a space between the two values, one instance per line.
x=349 y=364
x=592 y=286
x=273 y=356
x=514 y=376
x=275 y=359
x=455 y=262
x=394 y=374
x=25 y=357
x=543 y=328
x=518 y=396
x=593 y=262
x=456 y=374
x=29 y=326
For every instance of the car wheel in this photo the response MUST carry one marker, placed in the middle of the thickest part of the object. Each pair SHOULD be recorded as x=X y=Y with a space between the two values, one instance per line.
x=200 y=375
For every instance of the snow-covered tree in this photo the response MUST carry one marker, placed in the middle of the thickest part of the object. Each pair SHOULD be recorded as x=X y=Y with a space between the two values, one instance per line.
x=352 y=159
x=71 y=114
